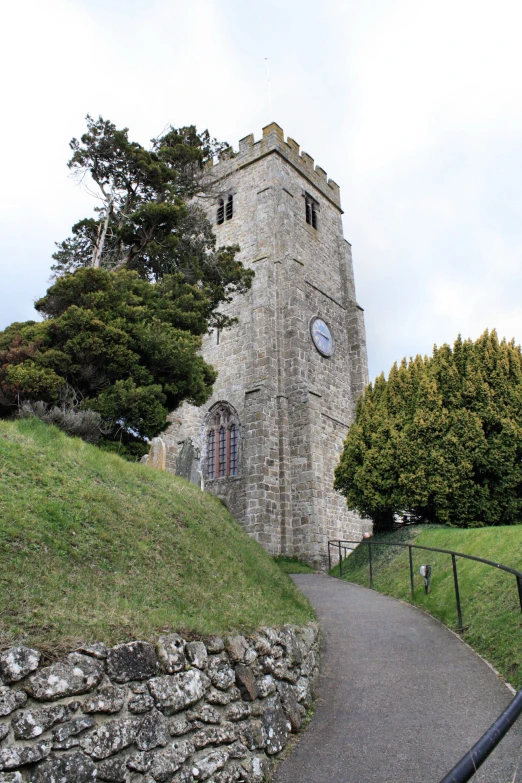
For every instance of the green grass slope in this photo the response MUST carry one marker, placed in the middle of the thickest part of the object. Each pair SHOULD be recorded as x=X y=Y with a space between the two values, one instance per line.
x=490 y=607
x=96 y=548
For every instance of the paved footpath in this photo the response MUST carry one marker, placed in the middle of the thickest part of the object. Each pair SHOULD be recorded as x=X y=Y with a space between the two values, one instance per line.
x=401 y=699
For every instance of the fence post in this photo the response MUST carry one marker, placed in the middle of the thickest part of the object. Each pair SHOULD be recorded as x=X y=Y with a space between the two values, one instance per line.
x=412 y=585
x=519 y=583
x=457 y=594
x=329 y=558
x=371 y=564
x=340 y=562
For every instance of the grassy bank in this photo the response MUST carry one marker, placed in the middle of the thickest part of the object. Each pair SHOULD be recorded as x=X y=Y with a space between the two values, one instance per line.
x=292 y=565
x=490 y=607
x=96 y=548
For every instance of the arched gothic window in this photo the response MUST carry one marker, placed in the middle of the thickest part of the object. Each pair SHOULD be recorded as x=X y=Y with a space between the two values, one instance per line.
x=222 y=440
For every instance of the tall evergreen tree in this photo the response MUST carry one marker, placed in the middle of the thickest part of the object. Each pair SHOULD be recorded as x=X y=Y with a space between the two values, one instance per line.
x=137 y=285
x=440 y=439
x=148 y=218
x=114 y=344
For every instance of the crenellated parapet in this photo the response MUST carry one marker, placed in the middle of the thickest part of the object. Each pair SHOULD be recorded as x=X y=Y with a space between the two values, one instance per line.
x=273 y=141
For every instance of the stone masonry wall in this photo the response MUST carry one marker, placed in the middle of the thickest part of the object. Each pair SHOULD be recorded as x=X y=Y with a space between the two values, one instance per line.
x=179 y=711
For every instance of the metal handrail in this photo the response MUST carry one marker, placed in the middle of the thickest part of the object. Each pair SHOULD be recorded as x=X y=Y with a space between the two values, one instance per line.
x=475 y=757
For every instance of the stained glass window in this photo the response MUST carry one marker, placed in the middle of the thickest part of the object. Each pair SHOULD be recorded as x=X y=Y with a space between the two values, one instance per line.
x=211 y=453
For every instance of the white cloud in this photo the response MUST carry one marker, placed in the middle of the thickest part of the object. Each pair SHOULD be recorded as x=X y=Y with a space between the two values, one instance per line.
x=414 y=108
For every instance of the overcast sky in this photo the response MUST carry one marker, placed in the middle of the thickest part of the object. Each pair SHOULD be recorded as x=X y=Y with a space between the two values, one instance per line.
x=414 y=108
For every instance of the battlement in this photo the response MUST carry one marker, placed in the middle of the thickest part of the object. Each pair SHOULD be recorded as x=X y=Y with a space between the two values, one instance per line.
x=273 y=140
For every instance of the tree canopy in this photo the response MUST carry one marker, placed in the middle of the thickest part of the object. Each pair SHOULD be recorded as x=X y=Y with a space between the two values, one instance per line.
x=136 y=287
x=149 y=216
x=114 y=344
x=440 y=440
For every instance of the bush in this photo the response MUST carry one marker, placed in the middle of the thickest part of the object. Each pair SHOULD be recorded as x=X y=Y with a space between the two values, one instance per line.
x=441 y=439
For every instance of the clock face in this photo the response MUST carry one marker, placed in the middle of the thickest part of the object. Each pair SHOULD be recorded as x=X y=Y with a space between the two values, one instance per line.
x=322 y=337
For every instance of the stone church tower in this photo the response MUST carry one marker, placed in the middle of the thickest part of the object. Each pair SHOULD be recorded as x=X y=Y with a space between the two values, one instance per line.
x=269 y=438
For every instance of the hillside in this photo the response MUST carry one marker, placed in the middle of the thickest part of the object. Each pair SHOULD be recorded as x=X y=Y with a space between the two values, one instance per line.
x=95 y=548
x=490 y=607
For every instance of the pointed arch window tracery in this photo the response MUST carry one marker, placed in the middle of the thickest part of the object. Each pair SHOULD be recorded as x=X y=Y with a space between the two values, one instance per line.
x=222 y=434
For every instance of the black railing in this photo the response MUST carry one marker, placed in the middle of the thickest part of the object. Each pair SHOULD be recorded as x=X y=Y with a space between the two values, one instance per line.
x=475 y=757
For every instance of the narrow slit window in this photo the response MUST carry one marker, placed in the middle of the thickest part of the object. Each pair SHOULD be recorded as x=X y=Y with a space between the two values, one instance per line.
x=211 y=454
x=230 y=207
x=311 y=209
x=221 y=211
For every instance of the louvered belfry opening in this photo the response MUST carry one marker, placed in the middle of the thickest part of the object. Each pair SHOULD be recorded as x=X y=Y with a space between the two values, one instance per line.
x=225 y=210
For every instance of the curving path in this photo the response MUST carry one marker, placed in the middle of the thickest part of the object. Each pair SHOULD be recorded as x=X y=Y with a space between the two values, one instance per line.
x=401 y=698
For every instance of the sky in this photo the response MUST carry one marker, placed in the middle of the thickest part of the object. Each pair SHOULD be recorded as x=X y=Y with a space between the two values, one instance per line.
x=413 y=107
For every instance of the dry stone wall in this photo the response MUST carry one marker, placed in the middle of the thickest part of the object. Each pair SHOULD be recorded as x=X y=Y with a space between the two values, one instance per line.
x=178 y=711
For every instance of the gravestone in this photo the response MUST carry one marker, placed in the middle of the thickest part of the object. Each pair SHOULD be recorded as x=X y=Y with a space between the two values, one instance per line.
x=187 y=463
x=157 y=454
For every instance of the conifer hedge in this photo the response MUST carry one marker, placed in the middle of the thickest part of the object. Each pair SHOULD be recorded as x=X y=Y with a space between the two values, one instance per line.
x=440 y=440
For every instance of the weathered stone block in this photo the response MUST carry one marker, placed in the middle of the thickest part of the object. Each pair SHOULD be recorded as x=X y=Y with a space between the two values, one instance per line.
x=69 y=768
x=214 y=644
x=253 y=734
x=97 y=650
x=113 y=770
x=72 y=728
x=291 y=707
x=265 y=686
x=169 y=760
x=239 y=710
x=111 y=737
x=205 y=713
x=79 y=675
x=140 y=703
x=292 y=645
x=215 y=696
x=239 y=650
x=153 y=731
x=108 y=698
x=246 y=682
x=132 y=661
x=10 y=700
x=237 y=750
x=17 y=662
x=196 y=653
x=31 y=723
x=179 y=726
x=18 y=755
x=276 y=725
x=216 y=735
x=184 y=776
x=210 y=763
x=221 y=673
x=174 y=692
x=257 y=769
x=171 y=653
x=11 y=777
x=140 y=762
